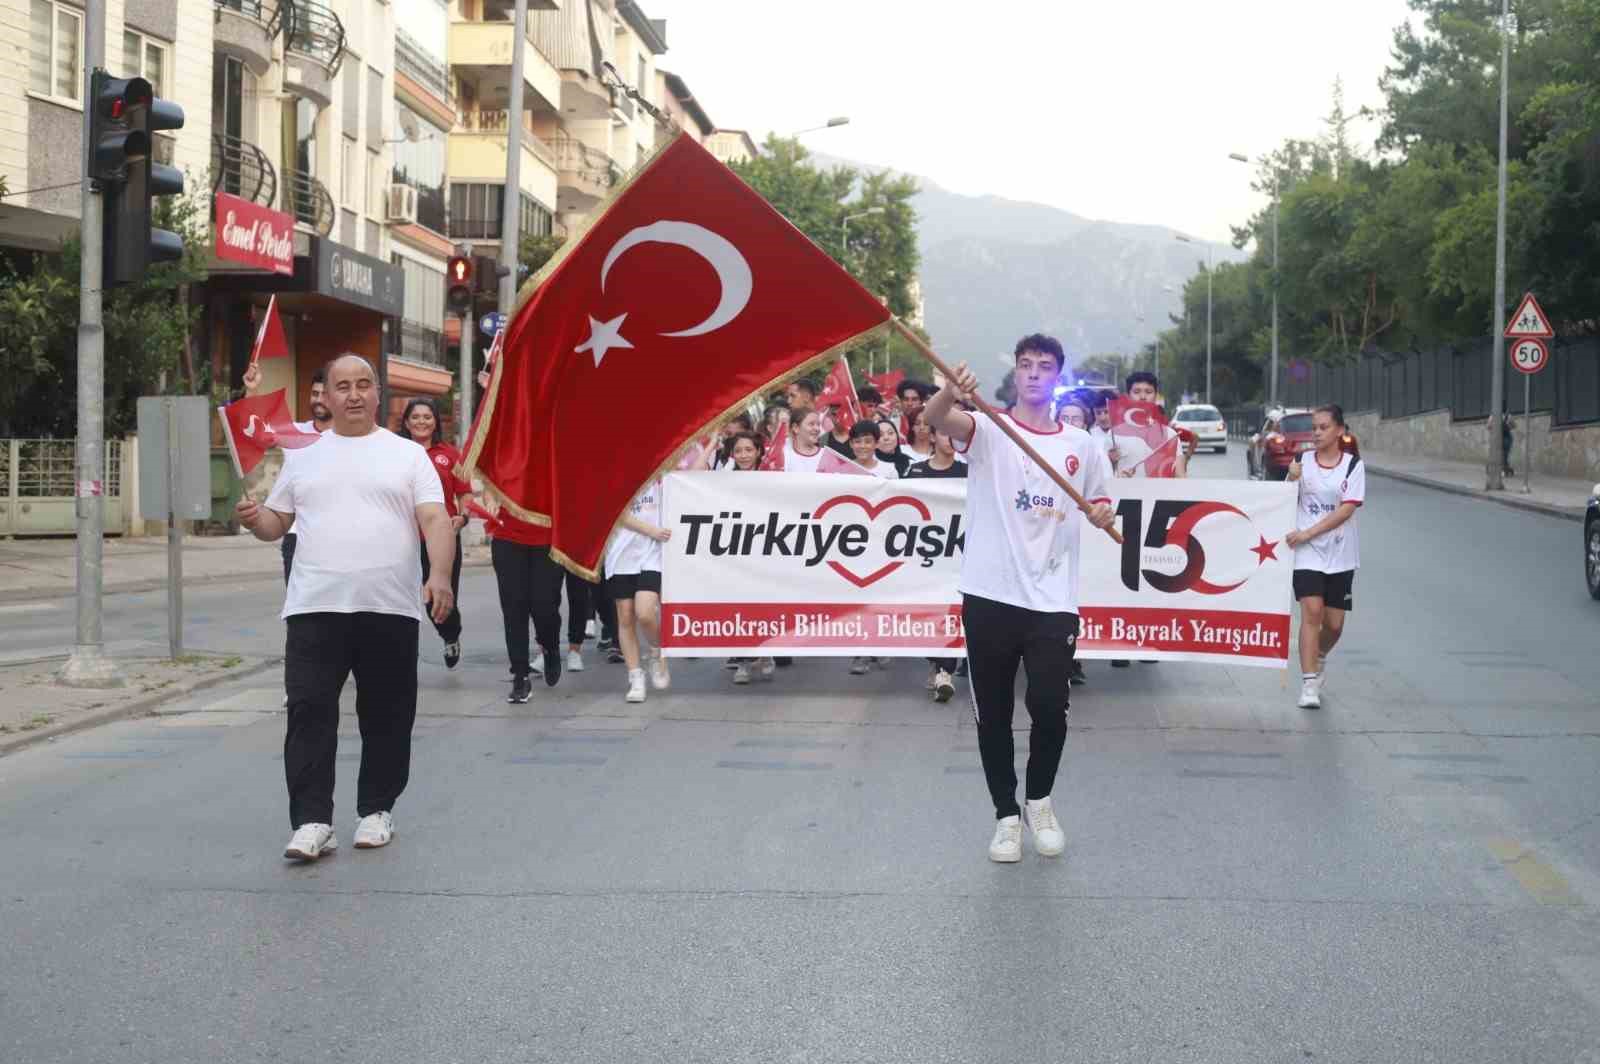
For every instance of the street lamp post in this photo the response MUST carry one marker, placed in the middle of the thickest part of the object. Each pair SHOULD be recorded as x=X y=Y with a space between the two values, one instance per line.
x=839 y=120
x=1494 y=481
x=1209 y=268
x=1272 y=394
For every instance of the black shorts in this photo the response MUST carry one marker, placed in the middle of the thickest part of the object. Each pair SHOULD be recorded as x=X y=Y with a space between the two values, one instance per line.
x=624 y=587
x=1334 y=589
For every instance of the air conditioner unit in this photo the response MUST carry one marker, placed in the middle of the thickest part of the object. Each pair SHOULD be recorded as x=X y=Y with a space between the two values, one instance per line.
x=402 y=203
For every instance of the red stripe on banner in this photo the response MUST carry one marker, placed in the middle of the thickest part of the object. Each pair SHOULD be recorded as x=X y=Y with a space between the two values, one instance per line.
x=864 y=628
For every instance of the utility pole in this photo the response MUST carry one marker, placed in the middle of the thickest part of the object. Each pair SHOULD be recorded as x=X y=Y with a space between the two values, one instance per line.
x=1276 y=199
x=1493 y=480
x=88 y=666
x=511 y=213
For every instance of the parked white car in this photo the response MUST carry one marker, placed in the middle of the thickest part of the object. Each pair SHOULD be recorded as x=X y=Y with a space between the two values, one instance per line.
x=1206 y=422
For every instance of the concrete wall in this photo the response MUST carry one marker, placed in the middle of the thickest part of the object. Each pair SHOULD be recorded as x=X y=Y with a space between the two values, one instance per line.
x=1561 y=452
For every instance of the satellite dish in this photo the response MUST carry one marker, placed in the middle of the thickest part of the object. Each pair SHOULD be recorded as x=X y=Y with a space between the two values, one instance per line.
x=410 y=128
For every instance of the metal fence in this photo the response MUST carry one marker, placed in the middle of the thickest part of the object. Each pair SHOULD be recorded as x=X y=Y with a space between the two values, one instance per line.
x=1455 y=378
x=37 y=479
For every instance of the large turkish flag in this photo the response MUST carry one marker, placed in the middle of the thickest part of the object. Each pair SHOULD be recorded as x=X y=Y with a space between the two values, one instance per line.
x=688 y=297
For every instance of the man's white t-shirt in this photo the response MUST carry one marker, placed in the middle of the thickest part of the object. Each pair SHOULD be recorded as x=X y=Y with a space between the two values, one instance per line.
x=1322 y=491
x=629 y=552
x=795 y=462
x=354 y=500
x=884 y=470
x=1103 y=438
x=1022 y=532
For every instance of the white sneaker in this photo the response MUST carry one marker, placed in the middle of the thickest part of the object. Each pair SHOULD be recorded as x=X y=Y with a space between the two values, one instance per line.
x=635 y=685
x=311 y=841
x=1310 y=695
x=1006 y=846
x=574 y=661
x=1048 y=839
x=660 y=678
x=741 y=675
x=589 y=629
x=766 y=667
x=374 y=830
x=944 y=688
x=933 y=677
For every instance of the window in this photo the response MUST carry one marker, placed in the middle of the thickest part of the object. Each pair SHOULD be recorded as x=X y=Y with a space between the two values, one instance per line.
x=376 y=189
x=55 y=50
x=303 y=117
x=145 y=57
x=424 y=295
x=419 y=159
x=350 y=174
x=476 y=211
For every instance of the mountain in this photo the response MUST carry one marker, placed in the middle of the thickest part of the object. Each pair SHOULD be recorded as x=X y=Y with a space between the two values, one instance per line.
x=995 y=269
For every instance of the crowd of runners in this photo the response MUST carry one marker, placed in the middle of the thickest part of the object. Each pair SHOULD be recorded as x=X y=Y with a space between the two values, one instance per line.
x=366 y=517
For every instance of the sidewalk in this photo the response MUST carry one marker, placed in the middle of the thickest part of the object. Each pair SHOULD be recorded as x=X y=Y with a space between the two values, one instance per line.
x=1555 y=496
x=47 y=568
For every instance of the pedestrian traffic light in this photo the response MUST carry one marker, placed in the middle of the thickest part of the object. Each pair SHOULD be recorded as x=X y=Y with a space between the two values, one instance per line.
x=458 y=279
x=126 y=116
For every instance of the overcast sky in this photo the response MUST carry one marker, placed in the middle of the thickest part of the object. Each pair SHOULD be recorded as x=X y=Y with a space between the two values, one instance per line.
x=1125 y=112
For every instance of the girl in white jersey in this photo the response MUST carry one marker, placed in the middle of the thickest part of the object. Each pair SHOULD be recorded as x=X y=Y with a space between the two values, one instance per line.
x=633 y=579
x=1326 y=545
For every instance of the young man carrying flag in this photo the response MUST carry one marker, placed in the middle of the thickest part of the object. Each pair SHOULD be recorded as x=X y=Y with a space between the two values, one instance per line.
x=1019 y=580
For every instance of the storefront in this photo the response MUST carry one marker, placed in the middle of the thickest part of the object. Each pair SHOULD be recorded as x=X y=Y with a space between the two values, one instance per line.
x=332 y=300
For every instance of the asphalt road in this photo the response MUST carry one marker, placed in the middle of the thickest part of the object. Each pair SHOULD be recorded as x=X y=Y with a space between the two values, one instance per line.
x=797 y=871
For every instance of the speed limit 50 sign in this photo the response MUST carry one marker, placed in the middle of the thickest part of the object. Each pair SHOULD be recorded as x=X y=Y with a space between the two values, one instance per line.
x=1529 y=354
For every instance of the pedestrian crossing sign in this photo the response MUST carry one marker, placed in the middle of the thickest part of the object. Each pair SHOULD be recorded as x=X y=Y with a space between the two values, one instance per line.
x=1529 y=320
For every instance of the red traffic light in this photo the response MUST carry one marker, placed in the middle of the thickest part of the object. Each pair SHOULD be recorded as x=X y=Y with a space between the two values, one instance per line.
x=460 y=270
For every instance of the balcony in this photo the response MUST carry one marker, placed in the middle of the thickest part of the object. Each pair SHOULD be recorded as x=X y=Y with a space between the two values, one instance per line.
x=586 y=174
x=419 y=343
x=313 y=48
x=481 y=54
x=245 y=30
x=478 y=153
x=416 y=63
x=309 y=201
x=242 y=169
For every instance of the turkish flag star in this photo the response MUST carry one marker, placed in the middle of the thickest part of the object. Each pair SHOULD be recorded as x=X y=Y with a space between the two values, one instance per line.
x=1265 y=550
x=603 y=336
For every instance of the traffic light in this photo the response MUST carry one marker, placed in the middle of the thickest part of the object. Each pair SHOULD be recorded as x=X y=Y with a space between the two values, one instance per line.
x=126 y=116
x=458 y=278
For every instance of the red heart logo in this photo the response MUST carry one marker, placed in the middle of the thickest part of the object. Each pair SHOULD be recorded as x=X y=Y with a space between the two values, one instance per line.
x=872 y=513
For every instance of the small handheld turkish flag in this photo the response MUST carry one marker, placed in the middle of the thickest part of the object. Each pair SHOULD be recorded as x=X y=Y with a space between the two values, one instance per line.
x=254 y=425
x=270 y=341
x=834 y=462
x=886 y=382
x=688 y=296
x=1141 y=429
x=839 y=392
x=773 y=459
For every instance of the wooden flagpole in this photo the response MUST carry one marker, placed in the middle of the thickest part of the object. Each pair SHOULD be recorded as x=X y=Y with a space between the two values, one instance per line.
x=994 y=415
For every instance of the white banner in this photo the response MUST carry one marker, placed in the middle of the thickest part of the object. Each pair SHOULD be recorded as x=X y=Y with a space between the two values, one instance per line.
x=804 y=564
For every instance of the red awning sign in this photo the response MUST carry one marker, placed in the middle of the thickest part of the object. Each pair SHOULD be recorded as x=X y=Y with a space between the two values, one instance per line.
x=254 y=235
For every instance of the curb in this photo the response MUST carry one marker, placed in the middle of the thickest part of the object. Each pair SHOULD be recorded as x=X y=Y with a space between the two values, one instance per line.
x=133 y=587
x=1514 y=502
x=10 y=744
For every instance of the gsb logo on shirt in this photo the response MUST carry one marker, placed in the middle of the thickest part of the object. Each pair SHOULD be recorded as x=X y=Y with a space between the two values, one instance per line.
x=1027 y=503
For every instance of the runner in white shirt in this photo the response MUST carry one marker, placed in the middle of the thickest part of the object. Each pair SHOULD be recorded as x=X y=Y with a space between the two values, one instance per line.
x=633 y=580
x=1326 y=545
x=360 y=494
x=803 y=450
x=1019 y=581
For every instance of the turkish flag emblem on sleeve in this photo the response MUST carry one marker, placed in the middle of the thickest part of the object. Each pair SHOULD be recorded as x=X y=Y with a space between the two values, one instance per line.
x=688 y=296
x=255 y=424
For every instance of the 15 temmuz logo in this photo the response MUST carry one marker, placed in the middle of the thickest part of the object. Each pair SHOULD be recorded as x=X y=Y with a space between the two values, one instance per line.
x=1172 y=525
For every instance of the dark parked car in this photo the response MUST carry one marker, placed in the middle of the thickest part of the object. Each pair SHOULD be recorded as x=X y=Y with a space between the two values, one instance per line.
x=1284 y=434
x=1591 y=543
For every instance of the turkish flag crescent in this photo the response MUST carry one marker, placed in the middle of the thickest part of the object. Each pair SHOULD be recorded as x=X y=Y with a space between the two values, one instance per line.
x=772 y=460
x=688 y=297
x=270 y=341
x=256 y=424
x=839 y=390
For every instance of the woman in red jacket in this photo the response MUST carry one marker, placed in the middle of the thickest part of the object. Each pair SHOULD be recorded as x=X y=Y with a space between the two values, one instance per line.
x=421 y=421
